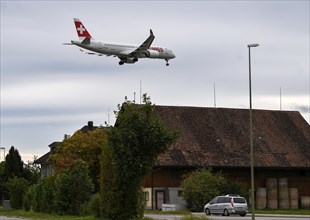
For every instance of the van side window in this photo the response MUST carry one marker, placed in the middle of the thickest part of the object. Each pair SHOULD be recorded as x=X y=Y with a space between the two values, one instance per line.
x=227 y=200
x=213 y=201
x=221 y=200
x=239 y=200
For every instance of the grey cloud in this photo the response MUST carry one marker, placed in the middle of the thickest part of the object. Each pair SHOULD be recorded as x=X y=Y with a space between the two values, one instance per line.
x=57 y=86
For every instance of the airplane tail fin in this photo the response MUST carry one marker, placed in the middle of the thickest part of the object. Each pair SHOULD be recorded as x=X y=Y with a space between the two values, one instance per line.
x=81 y=31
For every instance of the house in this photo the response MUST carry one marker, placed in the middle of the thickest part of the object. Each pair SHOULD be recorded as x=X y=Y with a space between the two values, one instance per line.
x=46 y=166
x=218 y=138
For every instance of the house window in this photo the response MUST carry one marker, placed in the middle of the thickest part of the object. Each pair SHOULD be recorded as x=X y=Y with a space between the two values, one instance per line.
x=146 y=196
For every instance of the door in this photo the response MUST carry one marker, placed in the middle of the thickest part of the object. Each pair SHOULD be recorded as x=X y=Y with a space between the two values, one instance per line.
x=213 y=205
x=160 y=198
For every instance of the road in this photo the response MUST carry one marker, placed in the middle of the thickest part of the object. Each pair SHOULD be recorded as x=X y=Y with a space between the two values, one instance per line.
x=212 y=217
x=232 y=217
x=261 y=217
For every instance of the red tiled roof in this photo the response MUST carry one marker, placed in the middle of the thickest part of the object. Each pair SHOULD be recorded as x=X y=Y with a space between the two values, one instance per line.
x=219 y=137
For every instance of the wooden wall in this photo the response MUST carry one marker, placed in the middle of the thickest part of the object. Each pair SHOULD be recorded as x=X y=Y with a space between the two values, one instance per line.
x=172 y=177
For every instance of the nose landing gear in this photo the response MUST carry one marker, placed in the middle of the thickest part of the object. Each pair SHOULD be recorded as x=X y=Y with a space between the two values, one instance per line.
x=167 y=64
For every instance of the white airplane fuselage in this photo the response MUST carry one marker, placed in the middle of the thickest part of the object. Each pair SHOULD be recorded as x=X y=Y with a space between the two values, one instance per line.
x=123 y=50
x=127 y=53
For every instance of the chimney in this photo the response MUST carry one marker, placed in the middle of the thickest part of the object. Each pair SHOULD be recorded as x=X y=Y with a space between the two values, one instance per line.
x=90 y=124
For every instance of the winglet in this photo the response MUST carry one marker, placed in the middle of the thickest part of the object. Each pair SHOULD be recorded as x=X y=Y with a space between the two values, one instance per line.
x=151 y=32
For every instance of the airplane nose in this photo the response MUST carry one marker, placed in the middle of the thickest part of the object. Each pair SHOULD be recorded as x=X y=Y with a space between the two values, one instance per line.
x=172 y=55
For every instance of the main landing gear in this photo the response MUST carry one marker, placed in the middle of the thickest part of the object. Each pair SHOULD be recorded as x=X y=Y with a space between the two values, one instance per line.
x=167 y=64
x=121 y=62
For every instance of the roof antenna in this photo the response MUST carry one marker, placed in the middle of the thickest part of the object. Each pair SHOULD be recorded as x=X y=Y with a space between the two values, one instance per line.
x=108 y=114
x=214 y=95
x=134 y=97
x=280 y=99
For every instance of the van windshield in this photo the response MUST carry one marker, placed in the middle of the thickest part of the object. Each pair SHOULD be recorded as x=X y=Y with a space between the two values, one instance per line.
x=239 y=200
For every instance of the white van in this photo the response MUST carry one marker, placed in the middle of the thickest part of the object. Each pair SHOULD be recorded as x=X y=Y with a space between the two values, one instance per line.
x=227 y=205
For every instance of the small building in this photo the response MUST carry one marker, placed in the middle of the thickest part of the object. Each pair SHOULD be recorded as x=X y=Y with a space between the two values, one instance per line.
x=218 y=138
x=46 y=166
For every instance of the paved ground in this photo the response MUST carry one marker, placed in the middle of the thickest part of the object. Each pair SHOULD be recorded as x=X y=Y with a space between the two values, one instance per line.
x=234 y=217
x=261 y=217
x=212 y=217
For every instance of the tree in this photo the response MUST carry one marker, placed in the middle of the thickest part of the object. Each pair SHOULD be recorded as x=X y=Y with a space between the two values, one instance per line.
x=200 y=186
x=81 y=146
x=12 y=167
x=17 y=187
x=13 y=172
x=44 y=195
x=2 y=182
x=134 y=144
x=64 y=193
x=31 y=171
x=13 y=164
x=73 y=188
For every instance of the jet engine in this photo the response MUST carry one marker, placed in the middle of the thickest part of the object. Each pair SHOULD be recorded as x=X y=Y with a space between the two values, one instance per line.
x=151 y=53
x=128 y=60
x=131 y=60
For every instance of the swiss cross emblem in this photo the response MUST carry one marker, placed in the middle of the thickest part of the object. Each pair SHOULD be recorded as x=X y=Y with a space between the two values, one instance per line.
x=81 y=29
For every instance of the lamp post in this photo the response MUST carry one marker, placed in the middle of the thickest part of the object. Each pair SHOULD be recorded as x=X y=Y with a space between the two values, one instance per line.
x=251 y=135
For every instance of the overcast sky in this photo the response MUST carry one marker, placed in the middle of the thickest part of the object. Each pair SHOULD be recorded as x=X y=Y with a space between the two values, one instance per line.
x=48 y=89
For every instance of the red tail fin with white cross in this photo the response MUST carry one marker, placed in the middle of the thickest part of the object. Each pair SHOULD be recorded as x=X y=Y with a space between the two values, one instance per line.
x=81 y=30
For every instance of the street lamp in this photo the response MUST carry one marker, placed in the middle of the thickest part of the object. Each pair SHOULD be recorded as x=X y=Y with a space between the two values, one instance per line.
x=251 y=135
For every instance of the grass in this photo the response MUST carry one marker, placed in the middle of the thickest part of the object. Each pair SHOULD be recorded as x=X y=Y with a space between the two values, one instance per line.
x=39 y=216
x=284 y=211
x=45 y=216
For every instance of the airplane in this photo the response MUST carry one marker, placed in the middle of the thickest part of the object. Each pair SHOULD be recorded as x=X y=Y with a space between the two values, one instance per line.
x=127 y=53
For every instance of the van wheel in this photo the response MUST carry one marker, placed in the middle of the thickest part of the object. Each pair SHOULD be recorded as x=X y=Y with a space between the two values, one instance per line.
x=226 y=213
x=242 y=215
x=207 y=211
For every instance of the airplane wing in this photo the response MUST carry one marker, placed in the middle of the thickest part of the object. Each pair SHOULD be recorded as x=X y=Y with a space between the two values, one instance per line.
x=142 y=49
x=97 y=54
x=90 y=53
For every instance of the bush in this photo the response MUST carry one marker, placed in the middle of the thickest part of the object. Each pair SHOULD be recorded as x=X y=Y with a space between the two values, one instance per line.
x=95 y=205
x=17 y=188
x=27 y=203
x=229 y=187
x=85 y=208
x=28 y=198
x=44 y=197
x=200 y=186
x=73 y=187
